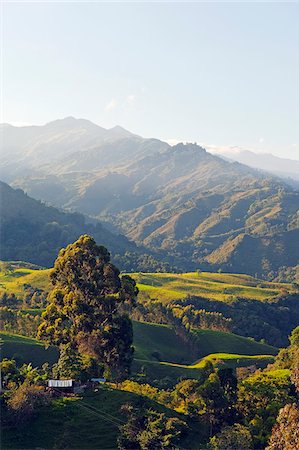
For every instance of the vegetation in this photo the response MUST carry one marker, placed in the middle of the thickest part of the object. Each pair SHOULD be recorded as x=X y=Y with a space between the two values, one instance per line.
x=264 y=311
x=34 y=232
x=183 y=387
x=216 y=286
x=197 y=207
x=89 y=422
x=83 y=308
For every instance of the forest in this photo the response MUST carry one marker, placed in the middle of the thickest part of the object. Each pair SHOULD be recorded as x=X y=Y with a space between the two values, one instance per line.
x=187 y=372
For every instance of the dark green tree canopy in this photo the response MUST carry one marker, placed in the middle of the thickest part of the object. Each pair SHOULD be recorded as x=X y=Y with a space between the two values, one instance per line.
x=84 y=305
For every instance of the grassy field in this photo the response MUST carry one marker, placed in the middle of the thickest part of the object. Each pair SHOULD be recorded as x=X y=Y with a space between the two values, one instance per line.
x=26 y=350
x=211 y=341
x=161 y=339
x=217 y=286
x=159 y=352
x=71 y=423
x=14 y=277
x=156 y=286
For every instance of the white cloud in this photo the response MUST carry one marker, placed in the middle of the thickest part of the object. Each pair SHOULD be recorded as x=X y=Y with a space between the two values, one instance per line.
x=261 y=140
x=111 y=105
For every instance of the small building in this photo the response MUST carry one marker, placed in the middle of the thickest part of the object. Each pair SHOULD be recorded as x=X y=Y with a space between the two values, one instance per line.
x=60 y=383
x=65 y=386
x=98 y=380
x=95 y=382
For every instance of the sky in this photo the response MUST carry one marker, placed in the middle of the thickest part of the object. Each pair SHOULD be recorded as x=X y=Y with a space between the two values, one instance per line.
x=223 y=74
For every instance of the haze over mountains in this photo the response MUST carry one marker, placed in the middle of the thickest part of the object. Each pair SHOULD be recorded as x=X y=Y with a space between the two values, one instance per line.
x=197 y=207
x=282 y=167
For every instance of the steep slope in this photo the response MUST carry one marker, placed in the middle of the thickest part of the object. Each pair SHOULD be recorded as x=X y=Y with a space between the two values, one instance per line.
x=25 y=149
x=34 y=232
x=198 y=208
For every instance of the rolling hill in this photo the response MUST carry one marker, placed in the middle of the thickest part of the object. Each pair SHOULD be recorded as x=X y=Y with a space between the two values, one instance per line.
x=200 y=209
x=152 y=341
x=254 y=308
x=83 y=423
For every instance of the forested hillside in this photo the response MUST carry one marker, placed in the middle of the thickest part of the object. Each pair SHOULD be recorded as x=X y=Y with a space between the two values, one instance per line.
x=34 y=232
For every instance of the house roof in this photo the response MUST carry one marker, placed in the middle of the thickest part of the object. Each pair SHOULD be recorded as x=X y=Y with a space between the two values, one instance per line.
x=60 y=383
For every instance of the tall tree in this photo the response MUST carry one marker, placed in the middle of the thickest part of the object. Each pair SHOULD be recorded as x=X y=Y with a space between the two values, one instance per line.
x=84 y=306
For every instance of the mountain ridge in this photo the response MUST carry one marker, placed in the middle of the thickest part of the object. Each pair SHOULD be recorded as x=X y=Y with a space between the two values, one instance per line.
x=182 y=200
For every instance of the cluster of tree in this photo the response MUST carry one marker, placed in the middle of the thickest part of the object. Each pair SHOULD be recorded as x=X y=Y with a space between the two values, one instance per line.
x=285 y=433
x=84 y=307
x=24 y=389
x=9 y=300
x=272 y=321
x=34 y=297
x=142 y=262
x=19 y=322
x=149 y=429
x=209 y=400
x=201 y=318
x=258 y=410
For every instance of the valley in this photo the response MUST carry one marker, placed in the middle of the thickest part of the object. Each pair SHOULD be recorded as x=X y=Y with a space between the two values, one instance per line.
x=181 y=204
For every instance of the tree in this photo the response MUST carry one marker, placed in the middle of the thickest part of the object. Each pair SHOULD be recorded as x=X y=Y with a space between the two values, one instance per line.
x=25 y=400
x=147 y=429
x=285 y=433
x=294 y=338
x=235 y=437
x=84 y=306
x=69 y=364
x=260 y=397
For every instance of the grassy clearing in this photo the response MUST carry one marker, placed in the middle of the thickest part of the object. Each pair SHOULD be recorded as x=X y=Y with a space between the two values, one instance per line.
x=163 y=287
x=216 y=286
x=211 y=341
x=25 y=350
x=159 y=339
x=233 y=361
x=13 y=279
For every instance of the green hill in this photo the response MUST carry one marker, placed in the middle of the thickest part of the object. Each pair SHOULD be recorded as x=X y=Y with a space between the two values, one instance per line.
x=211 y=341
x=90 y=422
x=218 y=286
x=159 y=350
x=164 y=287
x=25 y=350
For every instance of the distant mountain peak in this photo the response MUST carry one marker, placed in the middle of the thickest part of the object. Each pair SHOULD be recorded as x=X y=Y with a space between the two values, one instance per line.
x=119 y=131
x=73 y=122
x=189 y=147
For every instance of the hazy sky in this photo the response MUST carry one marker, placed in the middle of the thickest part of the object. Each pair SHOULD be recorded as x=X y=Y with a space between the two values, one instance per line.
x=218 y=73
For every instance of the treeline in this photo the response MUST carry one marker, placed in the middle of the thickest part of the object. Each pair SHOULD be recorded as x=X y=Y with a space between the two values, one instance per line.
x=239 y=413
x=19 y=322
x=272 y=321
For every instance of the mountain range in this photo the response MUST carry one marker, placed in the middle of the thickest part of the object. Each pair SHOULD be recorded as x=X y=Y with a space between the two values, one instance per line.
x=282 y=167
x=195 y=207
